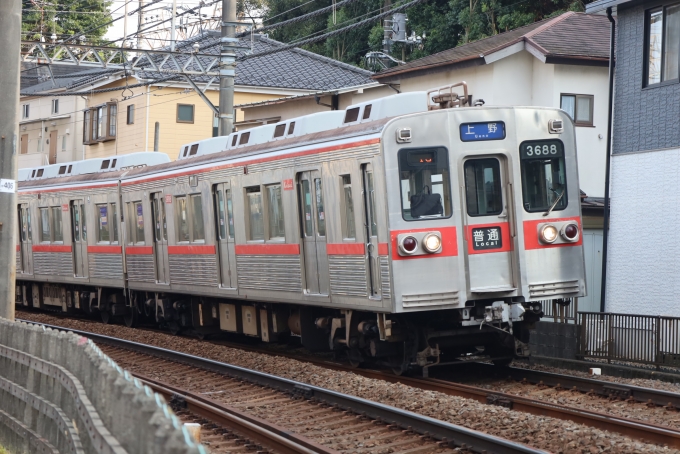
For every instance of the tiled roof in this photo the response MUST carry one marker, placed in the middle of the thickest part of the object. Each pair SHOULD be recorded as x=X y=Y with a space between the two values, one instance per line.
x=79 y=78
x=570 y=36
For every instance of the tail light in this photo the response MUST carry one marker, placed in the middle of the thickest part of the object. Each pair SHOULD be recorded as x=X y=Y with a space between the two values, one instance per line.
x=570 y=232
x=409 y=245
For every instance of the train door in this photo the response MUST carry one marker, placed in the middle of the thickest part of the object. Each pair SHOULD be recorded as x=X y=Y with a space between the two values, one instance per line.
x=79 y=238
x=488 y=230
x=224 y=215
x=313 y=215
x=371 y=225
x=25 y=240
x=160 y=237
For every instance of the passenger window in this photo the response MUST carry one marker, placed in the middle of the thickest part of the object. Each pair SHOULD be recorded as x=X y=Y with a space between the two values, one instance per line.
x=57 y=228
x=255 y=218
x=320 y=214
x=275 y=208
x=82 y=221
x=483 y=187
x=348 y=226
x=103 y=224
x=371 y=204
x=230 y=214
x=221 y=215
x=307 y=208
x=137 y=222
x=197 y=216
x=45 y=225
x=182 y=219
x=425 y=183
x=544 y=181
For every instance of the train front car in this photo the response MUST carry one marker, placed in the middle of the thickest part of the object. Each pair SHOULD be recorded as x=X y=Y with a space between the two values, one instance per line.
x=485 y=221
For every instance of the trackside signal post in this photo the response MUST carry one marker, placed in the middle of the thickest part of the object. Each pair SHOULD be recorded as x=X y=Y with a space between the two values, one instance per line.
x=10 y=36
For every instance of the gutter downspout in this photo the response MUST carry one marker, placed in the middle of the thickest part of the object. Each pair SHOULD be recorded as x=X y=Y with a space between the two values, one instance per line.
x=610 y=121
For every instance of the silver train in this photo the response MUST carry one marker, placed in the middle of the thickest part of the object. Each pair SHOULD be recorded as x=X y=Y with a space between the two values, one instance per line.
x=405 y=231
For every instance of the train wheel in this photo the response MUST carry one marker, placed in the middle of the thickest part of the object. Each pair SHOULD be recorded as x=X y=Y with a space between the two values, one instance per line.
x=354 y=357
x=174 y=328
x=131 y=319
x=106 y=317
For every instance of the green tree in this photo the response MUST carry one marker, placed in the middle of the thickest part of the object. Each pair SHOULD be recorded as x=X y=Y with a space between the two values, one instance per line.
x=65 y=18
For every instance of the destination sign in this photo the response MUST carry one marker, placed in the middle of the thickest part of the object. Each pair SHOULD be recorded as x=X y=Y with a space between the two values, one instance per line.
x=473 y=132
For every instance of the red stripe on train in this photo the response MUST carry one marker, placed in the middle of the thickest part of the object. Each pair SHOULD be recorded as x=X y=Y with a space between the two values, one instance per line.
x=191 y=250
x=51 y=248
x=383 y=249
x=139 y=250
x=531 y=240
x=105 y=249
x=18 y=248
x=346 y=249
x=268 y=249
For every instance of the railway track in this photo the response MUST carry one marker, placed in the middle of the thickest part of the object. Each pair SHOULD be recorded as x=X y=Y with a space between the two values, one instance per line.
x=309 y=418
x=657 y=434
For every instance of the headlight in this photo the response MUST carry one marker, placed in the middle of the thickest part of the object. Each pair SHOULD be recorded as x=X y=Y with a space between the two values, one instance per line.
x=409 y=245
x=548 y=233
x=570 y=232
x=432 y=243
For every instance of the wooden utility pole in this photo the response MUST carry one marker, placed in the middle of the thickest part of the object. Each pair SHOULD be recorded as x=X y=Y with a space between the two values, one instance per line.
x=10 y=36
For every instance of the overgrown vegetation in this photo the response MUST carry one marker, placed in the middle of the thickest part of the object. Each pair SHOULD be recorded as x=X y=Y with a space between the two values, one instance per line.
x=64 y=18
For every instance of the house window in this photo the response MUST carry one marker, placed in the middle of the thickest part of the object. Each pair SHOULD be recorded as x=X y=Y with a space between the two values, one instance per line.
x=662 y=46
x=99 y=123
x=55 y=106
x=579 y=108
x=25 y=110
x=185 y=113
x=131 y=114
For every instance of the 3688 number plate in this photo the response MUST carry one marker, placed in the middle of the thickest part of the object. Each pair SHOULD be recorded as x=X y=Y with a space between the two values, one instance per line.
x=541 y=149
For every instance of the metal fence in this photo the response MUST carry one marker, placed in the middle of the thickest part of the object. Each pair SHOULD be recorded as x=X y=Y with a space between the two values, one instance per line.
x=562 y=311
x=645 y=339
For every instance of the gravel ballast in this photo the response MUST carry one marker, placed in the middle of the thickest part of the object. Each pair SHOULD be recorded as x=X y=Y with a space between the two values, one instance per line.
x=547 y=433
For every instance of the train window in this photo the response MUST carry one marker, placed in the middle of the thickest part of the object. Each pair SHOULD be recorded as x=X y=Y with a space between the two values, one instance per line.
x=367 y=112
x=45 y=225
x=320 y=214
x=275 y=212
x=40 y=172
x=221 y=215
x=233 y=140
x=544 y=181
x=57 y=228
x=69 y=168
x=371 y=203
x=244 y=138
x=113 y=163
x=182 y=219
x=291 y=127
x=425 y=183
x=307 y=208
x=103 y=224
x=280 y=130
x=193 y=150
x=105 y=164
x=348 y=227
x=137 y=227
x=483 y=187
x=113 y=218
x=351 y=115
x=186 y=150
x=197 y=216
x=82 y=221
x=62 y=170
x=255 y=218
x=230 y=214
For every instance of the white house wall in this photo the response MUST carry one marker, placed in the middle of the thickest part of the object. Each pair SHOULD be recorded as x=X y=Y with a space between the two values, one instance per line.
x=644 y=247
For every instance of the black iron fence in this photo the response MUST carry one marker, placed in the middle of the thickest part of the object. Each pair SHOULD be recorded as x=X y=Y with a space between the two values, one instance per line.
x=645 y=339
x=560 y=311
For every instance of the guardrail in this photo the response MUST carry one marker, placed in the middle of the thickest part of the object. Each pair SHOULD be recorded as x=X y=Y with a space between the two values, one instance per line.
x=643 y=339
x=59 y=393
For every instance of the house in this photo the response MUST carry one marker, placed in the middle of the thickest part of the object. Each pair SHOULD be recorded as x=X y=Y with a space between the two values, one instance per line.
x=560 y=62
x=163 y=115
x=642 y=258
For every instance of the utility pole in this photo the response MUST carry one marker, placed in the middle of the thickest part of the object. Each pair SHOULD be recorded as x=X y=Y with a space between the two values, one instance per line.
x=10 y=36
x=140 y=24
x=125 y=26
x=172 y=25
x=227 y=66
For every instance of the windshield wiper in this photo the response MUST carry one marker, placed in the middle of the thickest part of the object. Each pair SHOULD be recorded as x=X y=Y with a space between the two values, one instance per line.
x=557 y=200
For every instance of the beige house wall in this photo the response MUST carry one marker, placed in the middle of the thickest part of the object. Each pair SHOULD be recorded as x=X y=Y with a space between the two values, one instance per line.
x=159 y=104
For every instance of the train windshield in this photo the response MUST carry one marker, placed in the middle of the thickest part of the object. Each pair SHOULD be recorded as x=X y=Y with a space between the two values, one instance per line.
x=544 y=180
x=425 y=185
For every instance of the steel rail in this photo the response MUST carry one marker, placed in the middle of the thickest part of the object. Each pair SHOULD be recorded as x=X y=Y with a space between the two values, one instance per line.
x=253 y=428
x=441 y=430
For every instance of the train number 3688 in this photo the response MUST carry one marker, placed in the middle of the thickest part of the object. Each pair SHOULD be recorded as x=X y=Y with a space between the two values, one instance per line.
x=541 y=150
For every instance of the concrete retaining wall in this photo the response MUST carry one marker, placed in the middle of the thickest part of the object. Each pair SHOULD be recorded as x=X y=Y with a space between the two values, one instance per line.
x=60 y=393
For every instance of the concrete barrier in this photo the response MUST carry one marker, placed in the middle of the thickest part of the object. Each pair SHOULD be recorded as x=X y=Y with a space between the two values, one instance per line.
x=60 y=393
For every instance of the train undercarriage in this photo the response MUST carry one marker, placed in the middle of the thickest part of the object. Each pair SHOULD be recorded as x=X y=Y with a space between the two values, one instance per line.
x=401 y=342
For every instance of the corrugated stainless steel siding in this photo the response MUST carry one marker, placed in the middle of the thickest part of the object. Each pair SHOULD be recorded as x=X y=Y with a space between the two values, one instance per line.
x=430 y=299
x=348 y=275
x=105 y=266
x=280 y=273
x=193 y=270
x=53 y=263
x=18 y=258
x=140 y=268
x=553 y=288
x=385 y=277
